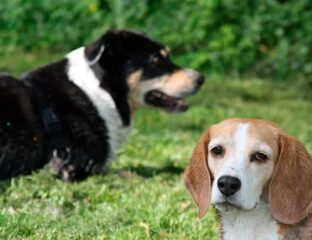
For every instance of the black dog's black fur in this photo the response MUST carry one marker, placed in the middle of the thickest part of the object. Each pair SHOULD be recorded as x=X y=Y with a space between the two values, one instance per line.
x=84 y=131
x=21 y=137
x=24 y=144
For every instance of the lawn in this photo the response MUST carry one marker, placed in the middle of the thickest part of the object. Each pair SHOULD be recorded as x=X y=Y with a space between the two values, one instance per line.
x=142 y=196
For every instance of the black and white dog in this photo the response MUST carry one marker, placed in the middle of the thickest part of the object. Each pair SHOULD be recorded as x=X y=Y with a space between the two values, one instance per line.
x=76 y=112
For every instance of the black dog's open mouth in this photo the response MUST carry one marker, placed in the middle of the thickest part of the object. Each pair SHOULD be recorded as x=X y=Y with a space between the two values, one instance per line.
x=161 y=100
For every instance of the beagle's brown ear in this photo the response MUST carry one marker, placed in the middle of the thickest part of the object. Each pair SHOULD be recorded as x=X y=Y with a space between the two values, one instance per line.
x=290 y=189
x=197 y=177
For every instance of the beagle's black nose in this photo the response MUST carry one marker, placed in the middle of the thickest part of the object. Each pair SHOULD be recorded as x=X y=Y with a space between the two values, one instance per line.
x=228 y=185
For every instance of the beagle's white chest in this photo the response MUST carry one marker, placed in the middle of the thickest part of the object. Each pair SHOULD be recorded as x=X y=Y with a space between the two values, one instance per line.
x=256 y=224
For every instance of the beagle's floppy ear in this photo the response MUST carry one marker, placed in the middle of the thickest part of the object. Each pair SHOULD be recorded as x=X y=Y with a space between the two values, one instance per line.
x=290 y=189
x=197 y=177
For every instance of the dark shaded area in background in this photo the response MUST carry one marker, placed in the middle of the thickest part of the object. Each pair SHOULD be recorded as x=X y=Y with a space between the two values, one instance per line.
x=148 y=172
x=268 y=38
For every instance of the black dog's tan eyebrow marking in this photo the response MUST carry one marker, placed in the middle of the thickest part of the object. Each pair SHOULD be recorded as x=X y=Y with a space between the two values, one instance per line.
x=164 y=52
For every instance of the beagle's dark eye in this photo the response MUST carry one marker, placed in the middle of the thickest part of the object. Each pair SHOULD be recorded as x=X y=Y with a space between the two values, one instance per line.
x=217 y=150
x=258 y=157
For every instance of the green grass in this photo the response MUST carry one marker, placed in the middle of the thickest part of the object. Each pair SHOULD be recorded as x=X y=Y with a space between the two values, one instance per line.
x=142 y=196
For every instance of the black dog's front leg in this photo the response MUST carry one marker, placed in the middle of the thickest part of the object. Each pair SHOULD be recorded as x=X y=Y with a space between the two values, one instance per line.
x=73 y=164
x=84 y=148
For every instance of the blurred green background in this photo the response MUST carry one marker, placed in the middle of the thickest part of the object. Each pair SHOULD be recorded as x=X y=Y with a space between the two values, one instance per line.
x=257 y=60
x=267 y=38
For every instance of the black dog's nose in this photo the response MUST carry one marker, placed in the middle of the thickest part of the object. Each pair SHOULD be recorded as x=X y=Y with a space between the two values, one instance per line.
x=200 y=80
x=228 y=185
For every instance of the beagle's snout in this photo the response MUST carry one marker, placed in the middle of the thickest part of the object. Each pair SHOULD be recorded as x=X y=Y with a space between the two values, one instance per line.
x=228 y=185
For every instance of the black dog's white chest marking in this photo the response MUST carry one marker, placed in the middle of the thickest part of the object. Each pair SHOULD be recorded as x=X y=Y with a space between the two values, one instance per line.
x=81 y=74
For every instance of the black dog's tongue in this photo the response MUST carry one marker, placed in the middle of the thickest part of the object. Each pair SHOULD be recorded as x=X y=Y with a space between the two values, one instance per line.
x=159 y=99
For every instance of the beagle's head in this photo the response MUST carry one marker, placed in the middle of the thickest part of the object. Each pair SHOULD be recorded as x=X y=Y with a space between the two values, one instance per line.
x=239 y=163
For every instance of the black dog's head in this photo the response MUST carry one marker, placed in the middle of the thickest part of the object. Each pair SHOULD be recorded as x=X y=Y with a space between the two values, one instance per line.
x=144 y=66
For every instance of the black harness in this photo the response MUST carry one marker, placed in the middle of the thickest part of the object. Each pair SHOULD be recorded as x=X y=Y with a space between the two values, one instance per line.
x=53 y=130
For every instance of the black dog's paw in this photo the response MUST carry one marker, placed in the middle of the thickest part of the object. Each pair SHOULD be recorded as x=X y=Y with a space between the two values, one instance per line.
x=69 y=173
x=60 y=169
x=66 y=171
x=72 y=167
x=57 y=167
x=56 y=164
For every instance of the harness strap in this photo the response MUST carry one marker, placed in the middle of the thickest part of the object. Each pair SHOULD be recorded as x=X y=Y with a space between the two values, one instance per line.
x=54 y=132
x=51 y=123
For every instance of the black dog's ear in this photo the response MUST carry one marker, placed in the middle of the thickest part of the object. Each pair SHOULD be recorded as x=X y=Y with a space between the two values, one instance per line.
x=108 y=44
x=94 y=51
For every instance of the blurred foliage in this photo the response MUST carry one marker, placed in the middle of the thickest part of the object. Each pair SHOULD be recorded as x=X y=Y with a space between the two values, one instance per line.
x=268 y=37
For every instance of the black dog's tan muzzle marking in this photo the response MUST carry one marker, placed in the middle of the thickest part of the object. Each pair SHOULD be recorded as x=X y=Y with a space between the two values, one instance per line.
x=169 y=91
x=183 y=83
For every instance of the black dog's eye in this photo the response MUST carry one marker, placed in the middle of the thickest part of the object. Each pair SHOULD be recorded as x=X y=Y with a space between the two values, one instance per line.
x=218 y=150
x=258 y=157
x=156 y=60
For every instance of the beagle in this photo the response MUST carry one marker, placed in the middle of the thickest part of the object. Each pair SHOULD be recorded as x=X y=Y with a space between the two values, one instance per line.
x=258 y=177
